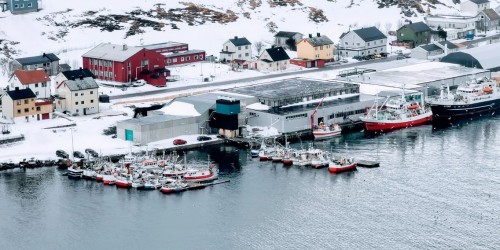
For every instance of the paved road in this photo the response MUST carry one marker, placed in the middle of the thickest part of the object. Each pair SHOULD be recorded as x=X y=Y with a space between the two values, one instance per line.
x=481 y=39
x=249 y=79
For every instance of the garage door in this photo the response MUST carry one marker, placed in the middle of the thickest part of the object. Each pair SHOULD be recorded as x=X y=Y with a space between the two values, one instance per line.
x=45 y=116
x=129 y=135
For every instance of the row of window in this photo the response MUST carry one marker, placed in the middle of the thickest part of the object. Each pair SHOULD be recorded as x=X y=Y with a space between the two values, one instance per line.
x=321 y=47
x=367 y=44
x=98 y=62
x=83 y=102
x=187 y=58
x=246 y=55
x=17 y=6
x=239 y=47
x=26 y=101
x=102 y=73
x=327 y=55
x=27 y=110
x=346 y=114
x=81 y=94
x=296 y=116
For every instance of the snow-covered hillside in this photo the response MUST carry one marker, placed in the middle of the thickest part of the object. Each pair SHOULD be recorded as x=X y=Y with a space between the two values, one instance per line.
x=70 y=28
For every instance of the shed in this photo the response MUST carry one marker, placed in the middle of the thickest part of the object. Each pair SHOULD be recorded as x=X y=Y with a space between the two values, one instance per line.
x=482 y=57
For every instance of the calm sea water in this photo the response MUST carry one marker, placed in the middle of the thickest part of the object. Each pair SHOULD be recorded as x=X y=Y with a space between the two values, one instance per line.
x=435 y=189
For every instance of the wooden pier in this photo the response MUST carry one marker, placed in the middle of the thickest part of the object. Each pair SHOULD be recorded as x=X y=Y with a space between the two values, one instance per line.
x=200 y=185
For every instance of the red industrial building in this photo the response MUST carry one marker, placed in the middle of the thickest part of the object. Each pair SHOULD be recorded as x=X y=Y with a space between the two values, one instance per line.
x=177 y=53
x=122 y=63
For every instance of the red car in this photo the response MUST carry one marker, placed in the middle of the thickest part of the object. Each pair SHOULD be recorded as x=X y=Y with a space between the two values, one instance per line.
x=179 y=142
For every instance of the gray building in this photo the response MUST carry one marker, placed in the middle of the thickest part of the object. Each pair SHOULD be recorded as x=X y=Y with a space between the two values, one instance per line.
x=434 y=50
x=20 y=7
x=415 y=74
x=280 y=39
x=182 y=116
x=49 y=62
x=291 y=102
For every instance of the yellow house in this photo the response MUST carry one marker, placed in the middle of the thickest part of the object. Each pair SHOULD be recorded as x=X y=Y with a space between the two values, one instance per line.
x=21 y=105
x=314 y=48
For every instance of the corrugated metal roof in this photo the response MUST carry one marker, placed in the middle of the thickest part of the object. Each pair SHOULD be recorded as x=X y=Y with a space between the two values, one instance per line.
x=152 y=119
x=485 y=55
x=202 y=103
x=112 y=52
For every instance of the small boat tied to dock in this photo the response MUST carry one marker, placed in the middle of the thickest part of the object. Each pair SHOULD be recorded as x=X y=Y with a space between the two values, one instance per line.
x=323 y=131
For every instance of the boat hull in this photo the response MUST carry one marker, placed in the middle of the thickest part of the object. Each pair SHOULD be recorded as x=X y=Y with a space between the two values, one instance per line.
x=341 y=168
x=318 y=135
x=123 y=184
x=441 y=112
x=388 y=125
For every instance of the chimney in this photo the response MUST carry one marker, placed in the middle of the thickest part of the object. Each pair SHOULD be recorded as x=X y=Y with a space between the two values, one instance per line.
x=81 y=77
x=317 y=34
x=17 y=89
x=125 y=47
x=310 y=36
x=235 y=37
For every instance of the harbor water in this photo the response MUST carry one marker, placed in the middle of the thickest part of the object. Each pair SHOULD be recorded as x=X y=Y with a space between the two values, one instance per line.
x=436 y=188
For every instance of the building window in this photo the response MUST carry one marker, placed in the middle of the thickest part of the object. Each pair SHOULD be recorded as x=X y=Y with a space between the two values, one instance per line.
x=295 y=116
x=239 y=55
x=76 y=103
x=357 y=44
x=246 y=54
x=38 y=108
x=346 y=43
x=26 y=110
x=36 y=85
x=201 y=57
x=22 y=5
x=91 y=92
x=26 y=101
x=246 y=46
x=174 y=60
x=36 y=93
x=187 y=58
x=91 y=101
x=16 y=6
x=30 y=5
x=19 y=111
x=44 y=84
x=182 y=59
x=320 y=47
x=195 y=57
x=81 y=94
x=83 y=102
x=239 y=47
x=76 y=94
x=169 y=60
x=18 y=102
x=144 y=62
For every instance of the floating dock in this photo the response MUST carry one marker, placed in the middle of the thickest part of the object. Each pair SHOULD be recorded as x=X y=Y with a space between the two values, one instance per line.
x=198 y=185
x=368 y=164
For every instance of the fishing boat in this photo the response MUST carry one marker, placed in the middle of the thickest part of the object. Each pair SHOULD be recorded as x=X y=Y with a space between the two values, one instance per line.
x=152 y=184
x=123 y=181
x=318 y=159
x=203 y=174
x=397 y=113
x=478 y=96
x=174 y=187
x=75 y=172
x=341 y=164
x=108 y=179
x=322 y=131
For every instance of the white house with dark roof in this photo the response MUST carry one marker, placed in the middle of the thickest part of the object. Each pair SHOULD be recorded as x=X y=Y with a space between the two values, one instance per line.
x=362 y=42
x=36 y=80
x=474 y=6
x=281 y=38
x=238 y=48
x=21 y=105
x=79 y=96
x=47 y=61
x=273 y=59
x=434 y=50
x=73 y=74
x=488 y=19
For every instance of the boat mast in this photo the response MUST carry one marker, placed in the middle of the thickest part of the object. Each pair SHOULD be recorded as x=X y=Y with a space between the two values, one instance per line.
x=314 y=112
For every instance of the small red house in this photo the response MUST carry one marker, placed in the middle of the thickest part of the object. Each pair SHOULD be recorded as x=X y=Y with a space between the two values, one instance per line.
x=121 y=63
x=177 y=53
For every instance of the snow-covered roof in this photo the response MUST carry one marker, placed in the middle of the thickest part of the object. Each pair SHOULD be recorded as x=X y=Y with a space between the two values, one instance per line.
x=258 y=106
x=112 y=52
x=485 y=56
x=179 y=108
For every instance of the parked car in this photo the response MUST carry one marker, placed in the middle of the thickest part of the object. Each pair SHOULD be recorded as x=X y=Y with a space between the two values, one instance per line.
x=179 y=142
x=359 y=58
x=384 y=54
x=91 y=152
x=78 y=154
x=204 y=138
x=62 y=154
